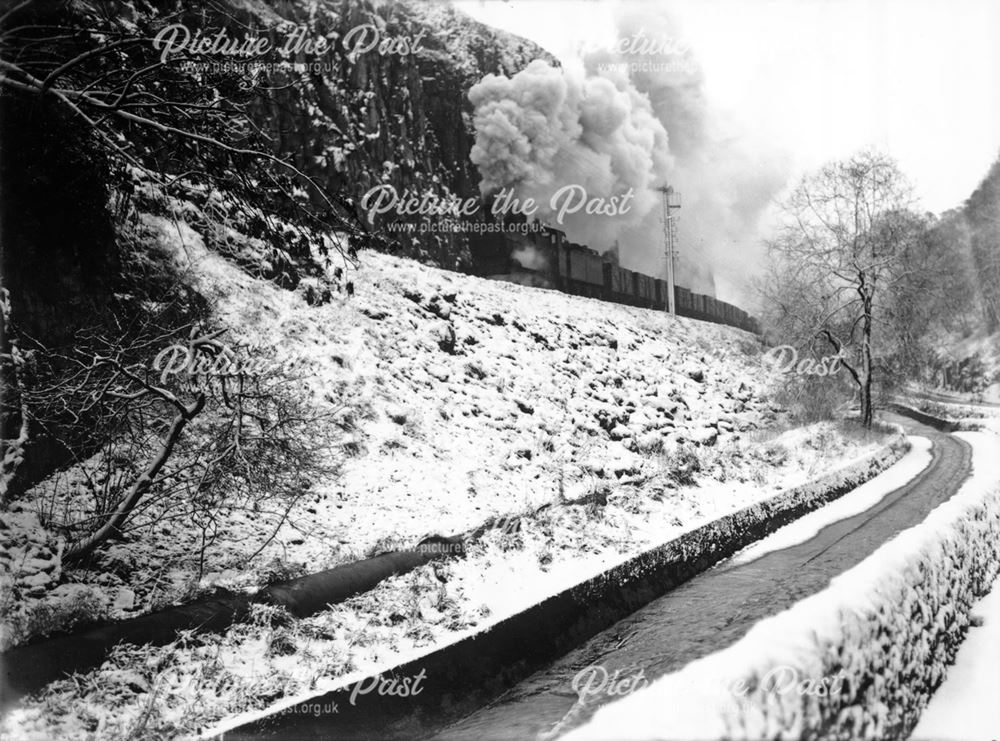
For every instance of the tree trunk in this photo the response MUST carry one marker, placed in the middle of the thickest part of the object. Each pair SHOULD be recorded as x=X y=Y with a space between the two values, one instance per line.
x=867 y=411
x=140 y=486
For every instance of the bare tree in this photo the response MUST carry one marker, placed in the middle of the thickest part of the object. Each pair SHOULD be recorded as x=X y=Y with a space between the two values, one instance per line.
x=986 y=252
x=184 y=124
x=198 y=432
x=981 y=216
x=839 y=255
x=180 y=120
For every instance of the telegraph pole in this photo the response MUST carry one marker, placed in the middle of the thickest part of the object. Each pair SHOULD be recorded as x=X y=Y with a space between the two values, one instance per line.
x=671 y=202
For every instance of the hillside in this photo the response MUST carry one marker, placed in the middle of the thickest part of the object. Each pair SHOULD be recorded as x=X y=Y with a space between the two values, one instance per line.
x=457 y=400
x=962 y=328
x=223 y=376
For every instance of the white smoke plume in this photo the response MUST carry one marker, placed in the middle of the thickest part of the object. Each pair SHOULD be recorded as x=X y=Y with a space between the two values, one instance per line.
x=609 y=130
x=725 y=177
x=546 y=128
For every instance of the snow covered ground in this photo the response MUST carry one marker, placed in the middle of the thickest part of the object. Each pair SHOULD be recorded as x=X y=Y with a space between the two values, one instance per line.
x=222 y=681
x=541 y=399
x=721 y=695
x=968 y=414
x=965 y=707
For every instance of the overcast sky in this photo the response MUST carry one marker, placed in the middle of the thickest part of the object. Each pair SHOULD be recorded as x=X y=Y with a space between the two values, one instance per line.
x=822 y=78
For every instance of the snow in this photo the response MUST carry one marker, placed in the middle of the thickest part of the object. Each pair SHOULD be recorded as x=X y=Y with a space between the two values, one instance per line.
x=701 y=700
x=438 y=442
x=969 y=415
x=853 y=503
x=547 y=398
x=506 y=580
x=965 y=707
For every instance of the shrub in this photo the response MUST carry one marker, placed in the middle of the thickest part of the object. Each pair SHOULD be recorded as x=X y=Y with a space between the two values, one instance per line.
x=809 y=399
x=681 y=463
x=83 y=607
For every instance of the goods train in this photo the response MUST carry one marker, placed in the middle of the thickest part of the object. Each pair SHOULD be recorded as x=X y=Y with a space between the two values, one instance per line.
x=545 y=258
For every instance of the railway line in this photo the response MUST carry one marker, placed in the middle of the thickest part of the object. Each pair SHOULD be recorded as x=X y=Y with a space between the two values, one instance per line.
x=547 y=259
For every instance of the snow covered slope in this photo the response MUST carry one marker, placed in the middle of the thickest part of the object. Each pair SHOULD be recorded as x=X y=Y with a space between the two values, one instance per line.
x=460 y=400
x=469 y=398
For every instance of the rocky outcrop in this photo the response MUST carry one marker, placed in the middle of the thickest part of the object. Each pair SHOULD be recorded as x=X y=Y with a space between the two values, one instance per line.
x=401 y=117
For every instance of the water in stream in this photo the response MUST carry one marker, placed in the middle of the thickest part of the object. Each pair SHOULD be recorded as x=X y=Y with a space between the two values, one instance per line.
x=710 y=612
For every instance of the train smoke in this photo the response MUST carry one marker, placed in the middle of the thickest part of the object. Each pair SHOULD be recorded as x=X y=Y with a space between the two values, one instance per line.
x=725 y=178
x=609 y=128
x=546 y=128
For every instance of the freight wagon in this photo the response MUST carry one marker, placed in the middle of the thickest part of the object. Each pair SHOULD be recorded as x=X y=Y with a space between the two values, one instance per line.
x=547 y=259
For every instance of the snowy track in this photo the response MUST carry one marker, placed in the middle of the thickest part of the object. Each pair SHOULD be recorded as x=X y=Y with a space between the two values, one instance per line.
x=717 y=608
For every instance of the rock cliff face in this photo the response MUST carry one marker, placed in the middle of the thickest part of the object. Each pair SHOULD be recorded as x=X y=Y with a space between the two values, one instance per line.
x=395 y=114
x=350 y=118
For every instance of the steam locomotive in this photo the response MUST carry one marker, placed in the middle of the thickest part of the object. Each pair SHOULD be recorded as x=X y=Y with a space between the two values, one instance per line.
x=544 y=258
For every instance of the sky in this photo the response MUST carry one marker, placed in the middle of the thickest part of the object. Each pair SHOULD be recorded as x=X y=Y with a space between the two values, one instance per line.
x=820 y=79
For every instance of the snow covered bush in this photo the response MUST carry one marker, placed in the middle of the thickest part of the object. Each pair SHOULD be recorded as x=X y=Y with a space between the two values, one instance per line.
x=811 y=398
x=203 y=430
x=895 y=638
